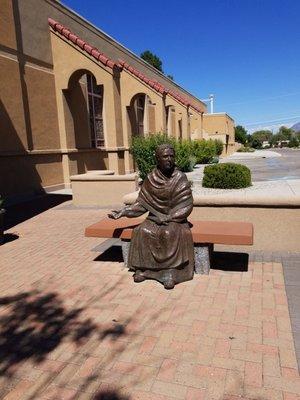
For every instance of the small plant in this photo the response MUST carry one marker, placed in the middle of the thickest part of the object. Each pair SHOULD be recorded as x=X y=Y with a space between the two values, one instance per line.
x=226 y=176
x=219 y=146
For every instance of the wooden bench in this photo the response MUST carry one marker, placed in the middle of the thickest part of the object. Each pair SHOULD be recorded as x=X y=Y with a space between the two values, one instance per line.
x=205 y=235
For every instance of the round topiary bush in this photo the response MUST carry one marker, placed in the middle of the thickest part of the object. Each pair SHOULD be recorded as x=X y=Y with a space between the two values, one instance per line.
x=226 y=176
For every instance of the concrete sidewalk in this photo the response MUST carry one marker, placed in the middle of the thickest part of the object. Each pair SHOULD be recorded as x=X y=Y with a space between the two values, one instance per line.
x=74 y=325
x=275 y=193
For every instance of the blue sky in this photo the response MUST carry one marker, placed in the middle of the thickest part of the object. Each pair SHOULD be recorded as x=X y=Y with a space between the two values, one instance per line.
x=245 y=52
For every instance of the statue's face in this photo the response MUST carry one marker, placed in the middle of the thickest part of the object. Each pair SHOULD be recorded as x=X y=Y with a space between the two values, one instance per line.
x=166 y=160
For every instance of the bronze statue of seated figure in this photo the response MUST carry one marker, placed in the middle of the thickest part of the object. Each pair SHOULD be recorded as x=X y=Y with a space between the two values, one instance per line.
x=162 y=246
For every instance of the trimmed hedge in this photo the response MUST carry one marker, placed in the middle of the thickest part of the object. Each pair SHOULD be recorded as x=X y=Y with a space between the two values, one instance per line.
x=226 y=176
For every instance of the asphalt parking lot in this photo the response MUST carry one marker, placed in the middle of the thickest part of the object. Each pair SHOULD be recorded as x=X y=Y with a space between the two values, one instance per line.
x=278 y=168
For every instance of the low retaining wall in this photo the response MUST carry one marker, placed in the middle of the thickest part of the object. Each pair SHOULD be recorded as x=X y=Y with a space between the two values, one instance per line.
x=276 y=226
x=94 y=189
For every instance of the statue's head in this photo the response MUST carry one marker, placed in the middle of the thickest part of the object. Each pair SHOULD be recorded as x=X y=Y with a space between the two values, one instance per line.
x=165 y=158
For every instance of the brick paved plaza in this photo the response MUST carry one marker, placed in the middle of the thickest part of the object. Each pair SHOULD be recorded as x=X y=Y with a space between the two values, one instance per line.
x=74 y=326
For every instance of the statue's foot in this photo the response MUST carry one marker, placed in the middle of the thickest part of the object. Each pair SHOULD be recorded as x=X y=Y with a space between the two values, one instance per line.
x=169 y=284
x=138 y=278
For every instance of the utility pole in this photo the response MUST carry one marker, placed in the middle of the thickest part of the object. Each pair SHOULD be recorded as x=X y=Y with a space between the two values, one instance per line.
x=211 y=101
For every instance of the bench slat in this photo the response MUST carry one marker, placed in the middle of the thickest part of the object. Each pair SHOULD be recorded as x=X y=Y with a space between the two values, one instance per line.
x=218 y=232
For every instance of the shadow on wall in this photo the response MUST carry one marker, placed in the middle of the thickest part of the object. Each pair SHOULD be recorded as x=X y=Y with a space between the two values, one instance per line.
x=18 y=173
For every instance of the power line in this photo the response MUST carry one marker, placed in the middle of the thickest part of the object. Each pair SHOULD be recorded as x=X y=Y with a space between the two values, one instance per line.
x=263 y=99
x=272 y=120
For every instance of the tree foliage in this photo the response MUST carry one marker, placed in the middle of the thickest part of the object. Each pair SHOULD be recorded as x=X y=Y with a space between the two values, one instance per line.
x=152 y=59
x=262 y=135
x=284 y=133
x=240 y=134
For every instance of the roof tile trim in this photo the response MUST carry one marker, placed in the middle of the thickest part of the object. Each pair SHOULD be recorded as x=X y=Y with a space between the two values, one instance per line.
x=94 y=52
x=157 y=86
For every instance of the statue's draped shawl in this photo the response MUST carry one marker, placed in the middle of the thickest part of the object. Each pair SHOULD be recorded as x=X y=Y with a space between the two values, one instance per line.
x=155 y=246
x=165 y=195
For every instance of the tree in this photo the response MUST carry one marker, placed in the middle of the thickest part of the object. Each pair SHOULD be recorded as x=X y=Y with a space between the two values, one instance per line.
x=284 y=133
x=240 y=134
x=256 y=144
x=262 y=135
x=152 y=59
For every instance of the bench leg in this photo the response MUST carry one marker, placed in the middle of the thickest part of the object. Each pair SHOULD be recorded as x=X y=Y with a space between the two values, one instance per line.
x=125 y=251
x=202 y=258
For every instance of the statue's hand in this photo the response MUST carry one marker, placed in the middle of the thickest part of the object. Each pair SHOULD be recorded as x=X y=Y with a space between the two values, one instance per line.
x=115 y=214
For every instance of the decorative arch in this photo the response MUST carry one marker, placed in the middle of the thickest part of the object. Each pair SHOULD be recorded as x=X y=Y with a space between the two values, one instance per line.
x=141 y=115
x=83 y=101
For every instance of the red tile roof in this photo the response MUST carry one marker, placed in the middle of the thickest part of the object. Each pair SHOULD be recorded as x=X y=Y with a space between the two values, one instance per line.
x=94 y=52
x=158 y=86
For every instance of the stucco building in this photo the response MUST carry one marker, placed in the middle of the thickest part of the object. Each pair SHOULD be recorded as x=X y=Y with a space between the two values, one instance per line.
x=71 y=98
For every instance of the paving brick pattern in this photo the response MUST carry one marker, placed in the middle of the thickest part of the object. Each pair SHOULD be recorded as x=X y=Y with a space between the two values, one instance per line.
x=75 y=327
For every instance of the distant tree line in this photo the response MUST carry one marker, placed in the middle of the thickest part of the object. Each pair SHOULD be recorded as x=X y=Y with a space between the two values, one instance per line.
x=266 y=138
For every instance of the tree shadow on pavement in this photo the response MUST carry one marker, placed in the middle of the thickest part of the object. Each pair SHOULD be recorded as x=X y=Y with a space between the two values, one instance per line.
x=33 y=324
x=110 y=395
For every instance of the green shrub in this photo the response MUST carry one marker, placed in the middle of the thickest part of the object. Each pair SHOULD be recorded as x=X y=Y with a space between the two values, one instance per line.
x=294 y=142
x=219 y=146
x=256 y=144
x=204 y=151
x=185 y=159
x=245 y=149
x=226 y=176
x=143 y=151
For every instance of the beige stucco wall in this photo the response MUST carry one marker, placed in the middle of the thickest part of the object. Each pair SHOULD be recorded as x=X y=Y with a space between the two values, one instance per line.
x=91 y=189
x=38 y=125
x=27 y=174
x=196 y=125
x=284 y=220
x=219 y=124
x=7 y=30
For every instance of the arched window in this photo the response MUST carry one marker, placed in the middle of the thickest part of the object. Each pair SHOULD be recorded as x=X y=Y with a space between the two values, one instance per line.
x=95 y=103
x=140 y=110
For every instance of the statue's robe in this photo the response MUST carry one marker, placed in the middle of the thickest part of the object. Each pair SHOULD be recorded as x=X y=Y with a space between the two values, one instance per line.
x=160 y=251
